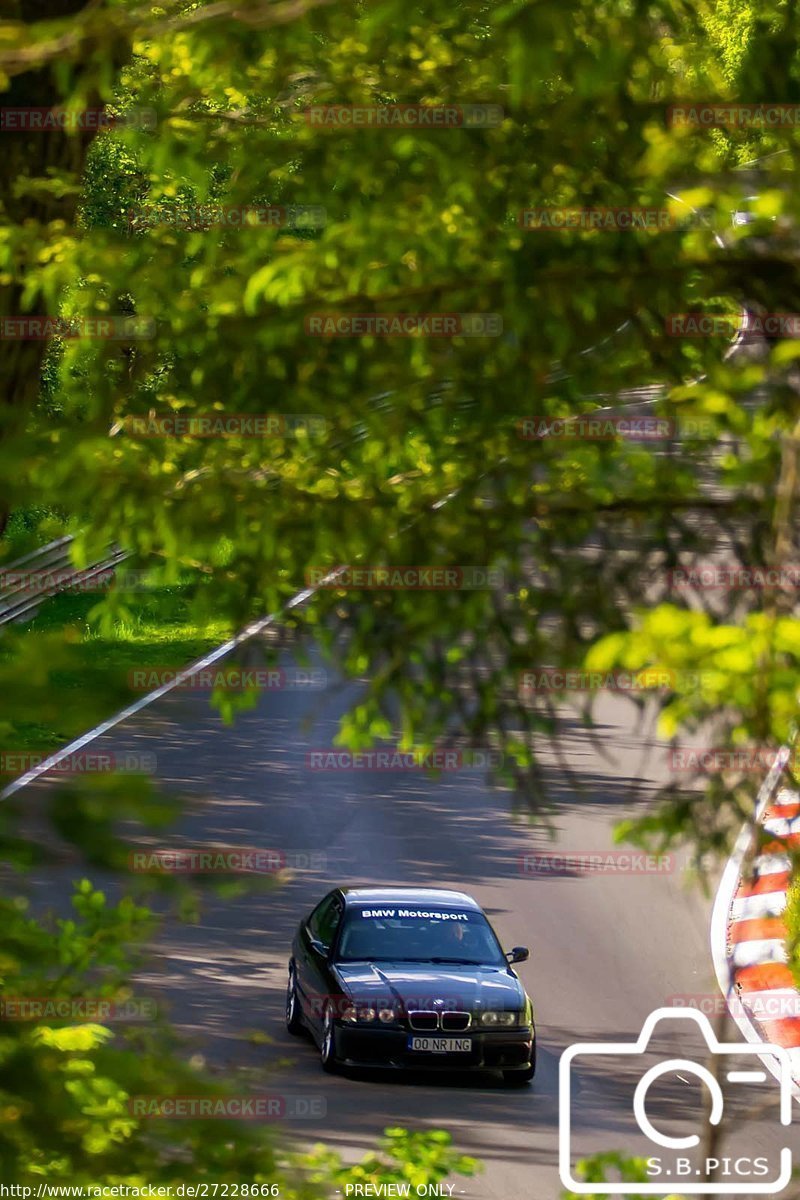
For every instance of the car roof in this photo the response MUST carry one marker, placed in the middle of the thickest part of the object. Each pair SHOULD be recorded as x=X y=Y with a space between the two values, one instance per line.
x=408 y=895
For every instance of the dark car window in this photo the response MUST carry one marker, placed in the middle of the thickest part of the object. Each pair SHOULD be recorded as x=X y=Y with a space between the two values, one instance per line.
x=384 y=934
x=324 y=921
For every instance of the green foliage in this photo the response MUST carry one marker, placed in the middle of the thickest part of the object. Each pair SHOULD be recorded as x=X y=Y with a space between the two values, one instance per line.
x=739 y=680
x=750 y=668
x=30 y=528
x=67 y=1082
x=415 y=454
x=403 y=1156
x=596 y=1170
x=416 y=220
x=792 y=919
x=85 y=650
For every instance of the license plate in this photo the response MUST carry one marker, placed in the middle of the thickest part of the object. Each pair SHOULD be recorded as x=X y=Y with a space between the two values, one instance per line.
x=440 y=1045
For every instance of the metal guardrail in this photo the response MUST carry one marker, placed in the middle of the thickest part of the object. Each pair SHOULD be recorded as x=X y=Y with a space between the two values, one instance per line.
x=29 y=581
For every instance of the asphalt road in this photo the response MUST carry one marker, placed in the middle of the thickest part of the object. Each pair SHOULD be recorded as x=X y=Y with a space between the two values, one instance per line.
x=606 y=948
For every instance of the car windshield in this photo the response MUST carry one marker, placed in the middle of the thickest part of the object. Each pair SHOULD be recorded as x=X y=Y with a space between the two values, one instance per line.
x=393 y=934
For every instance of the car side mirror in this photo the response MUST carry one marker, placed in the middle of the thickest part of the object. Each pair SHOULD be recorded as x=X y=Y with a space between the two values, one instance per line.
x=518 y=954
x=319 y=947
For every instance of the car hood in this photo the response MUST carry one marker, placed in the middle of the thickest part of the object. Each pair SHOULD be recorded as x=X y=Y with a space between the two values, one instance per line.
x=467 y=988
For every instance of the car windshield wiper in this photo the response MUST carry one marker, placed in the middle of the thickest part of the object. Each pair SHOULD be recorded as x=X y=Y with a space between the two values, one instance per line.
x=467 y=962
x=396 y=958
x=384 y=959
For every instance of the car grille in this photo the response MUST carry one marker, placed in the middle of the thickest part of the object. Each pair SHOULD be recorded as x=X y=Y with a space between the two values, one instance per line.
x=455 y=1020
x=422 y=1020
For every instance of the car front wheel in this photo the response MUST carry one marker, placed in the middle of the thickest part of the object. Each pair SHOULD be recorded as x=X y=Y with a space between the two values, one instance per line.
x=327 y=1048
x=294 y=1021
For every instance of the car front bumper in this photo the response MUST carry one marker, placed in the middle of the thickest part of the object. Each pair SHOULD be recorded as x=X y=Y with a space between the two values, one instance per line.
x=496 y=1049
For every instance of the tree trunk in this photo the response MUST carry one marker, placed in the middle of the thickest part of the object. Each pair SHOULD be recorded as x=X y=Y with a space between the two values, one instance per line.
x=29 y=155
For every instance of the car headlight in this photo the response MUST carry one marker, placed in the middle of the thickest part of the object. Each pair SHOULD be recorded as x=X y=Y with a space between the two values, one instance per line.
x=356 y=1014
x=386 y=1015
x=504 y=1017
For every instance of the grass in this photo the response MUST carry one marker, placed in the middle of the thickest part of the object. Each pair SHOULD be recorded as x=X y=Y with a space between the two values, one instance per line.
x=29 y=529
x=79 y=675
x=792 y=918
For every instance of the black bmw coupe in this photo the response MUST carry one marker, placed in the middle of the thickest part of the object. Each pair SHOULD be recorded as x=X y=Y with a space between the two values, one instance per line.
x=410 y=978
